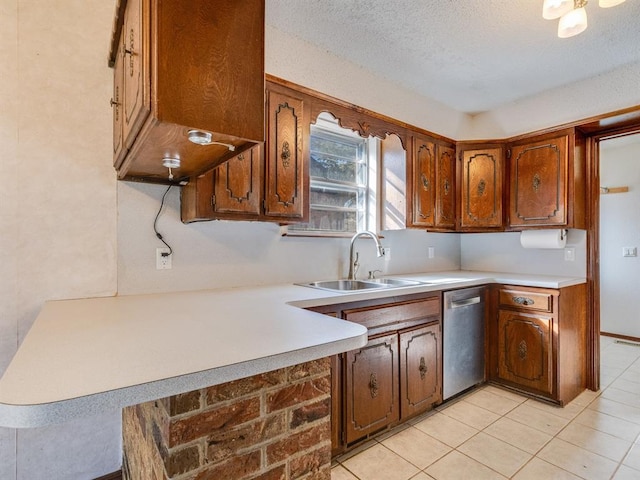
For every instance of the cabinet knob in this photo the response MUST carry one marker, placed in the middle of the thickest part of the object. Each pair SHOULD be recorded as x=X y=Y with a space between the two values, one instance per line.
x=114 y=103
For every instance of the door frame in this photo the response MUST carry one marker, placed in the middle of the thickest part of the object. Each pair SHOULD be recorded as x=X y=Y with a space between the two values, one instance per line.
x=593 y=240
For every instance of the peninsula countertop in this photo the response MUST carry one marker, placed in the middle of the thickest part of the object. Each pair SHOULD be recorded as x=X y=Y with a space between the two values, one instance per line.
x=86 y=356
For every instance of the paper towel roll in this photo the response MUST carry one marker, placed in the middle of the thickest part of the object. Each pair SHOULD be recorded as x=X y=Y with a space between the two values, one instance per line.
x=543 y=238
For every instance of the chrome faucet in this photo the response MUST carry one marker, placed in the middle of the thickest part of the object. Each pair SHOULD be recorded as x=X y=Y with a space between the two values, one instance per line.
x=353 y=264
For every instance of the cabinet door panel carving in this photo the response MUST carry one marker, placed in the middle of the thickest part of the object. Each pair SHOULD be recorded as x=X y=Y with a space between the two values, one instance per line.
x=237 y=183
x=525 y=350
x=482 y=188
x=372 y=387
x=420 y=356
x=135 y=48
x=539 y=183
x=424 y=187
x=445 y=194
x=284 y=162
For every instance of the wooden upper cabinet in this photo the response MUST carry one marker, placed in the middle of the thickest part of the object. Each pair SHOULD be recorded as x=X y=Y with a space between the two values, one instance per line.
x=481 y=188
x=196 y=65
x=547 y=182
x=231 y=191
x=286 y=181
x=433 y=184
x=424 y=182
x=135 y=54
x=445 y=187
x=119 y=149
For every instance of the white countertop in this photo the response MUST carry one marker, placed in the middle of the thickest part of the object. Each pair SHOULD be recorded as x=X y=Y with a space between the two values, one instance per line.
x=82 y=357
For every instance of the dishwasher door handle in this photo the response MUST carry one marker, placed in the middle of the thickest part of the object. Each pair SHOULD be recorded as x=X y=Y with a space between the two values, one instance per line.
x=465 y=302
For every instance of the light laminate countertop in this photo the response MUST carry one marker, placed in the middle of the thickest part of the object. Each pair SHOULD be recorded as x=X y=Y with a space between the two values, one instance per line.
x=83 y=357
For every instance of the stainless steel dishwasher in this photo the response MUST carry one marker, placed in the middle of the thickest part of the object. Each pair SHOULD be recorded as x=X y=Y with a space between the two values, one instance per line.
x=463 y=340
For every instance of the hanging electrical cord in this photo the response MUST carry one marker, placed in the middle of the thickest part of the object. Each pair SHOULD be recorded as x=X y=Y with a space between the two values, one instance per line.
x=155 y=223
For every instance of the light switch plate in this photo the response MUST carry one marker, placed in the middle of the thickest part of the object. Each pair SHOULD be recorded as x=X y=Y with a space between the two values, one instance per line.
x=570 y=254
x=629 y=251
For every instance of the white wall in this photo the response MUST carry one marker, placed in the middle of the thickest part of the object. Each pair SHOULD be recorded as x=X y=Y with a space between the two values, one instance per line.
x=57 y=204
x=620 y=227
x=599 y=95
x=502 y=252
x=225 y=253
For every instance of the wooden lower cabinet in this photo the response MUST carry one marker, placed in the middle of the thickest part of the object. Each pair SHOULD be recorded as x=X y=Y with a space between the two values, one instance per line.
x=371 y=387
x=541 y=340
x=397 y=375
x=420 y=369
x=525 y=350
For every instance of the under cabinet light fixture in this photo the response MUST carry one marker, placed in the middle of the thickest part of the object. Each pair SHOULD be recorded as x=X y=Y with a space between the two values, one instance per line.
x=572 y=14
x=200 y=137
x=170 y=163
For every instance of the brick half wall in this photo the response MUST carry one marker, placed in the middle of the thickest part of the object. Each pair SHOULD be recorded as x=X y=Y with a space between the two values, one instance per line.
x=274 y=426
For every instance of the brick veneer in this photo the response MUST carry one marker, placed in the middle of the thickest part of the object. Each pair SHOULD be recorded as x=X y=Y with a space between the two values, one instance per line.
x=274 y=426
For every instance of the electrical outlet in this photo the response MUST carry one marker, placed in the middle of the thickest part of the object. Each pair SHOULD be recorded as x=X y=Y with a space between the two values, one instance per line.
x=431 y=252
x=163 y=258
x=387 y=253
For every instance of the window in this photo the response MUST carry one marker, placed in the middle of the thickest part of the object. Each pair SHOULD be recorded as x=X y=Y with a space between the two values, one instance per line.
x=341 y=196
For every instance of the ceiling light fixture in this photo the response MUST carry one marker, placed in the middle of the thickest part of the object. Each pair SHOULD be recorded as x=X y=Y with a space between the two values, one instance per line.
x=572 y=14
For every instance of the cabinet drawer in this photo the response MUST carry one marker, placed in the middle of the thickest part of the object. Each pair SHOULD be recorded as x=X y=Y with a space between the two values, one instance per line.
x=526 y=300
x=372 y=317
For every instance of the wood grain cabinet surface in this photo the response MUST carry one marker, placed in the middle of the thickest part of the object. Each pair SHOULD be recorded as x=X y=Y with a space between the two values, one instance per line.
x=481 y=180
x=267 y=183
x=371 y=390
x=397 y=375
x=539 y=340
x=547 y=184
x=181 y=66
x=433 y=184
x=420 y=369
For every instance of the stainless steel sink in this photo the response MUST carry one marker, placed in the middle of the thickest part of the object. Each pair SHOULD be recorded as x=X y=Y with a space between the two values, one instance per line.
x=344 y=285
x=394 y=282
x=354 y=285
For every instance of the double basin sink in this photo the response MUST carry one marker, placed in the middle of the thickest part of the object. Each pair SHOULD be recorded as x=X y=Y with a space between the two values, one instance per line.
x=370 y=284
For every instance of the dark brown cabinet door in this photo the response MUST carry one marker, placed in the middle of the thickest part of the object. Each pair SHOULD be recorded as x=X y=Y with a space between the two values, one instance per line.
x=237 y=184
x=525 y=350
x=424 y=185
x=116 y=103
x=287 y=131
x=135 y=40
x=539 y=183
x=445 y=187
x=420 y=359
x=371 y=387
x=481 y=194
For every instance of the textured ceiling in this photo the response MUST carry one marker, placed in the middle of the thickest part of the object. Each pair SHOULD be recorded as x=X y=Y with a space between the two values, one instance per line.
x=473 y=55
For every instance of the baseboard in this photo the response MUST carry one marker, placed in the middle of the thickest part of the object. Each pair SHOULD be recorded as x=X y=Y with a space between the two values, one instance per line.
x=111 y=476
x=621 y=337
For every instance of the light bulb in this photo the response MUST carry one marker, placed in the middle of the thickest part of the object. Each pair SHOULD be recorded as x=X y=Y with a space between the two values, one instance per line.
x=609 y=3
x=572 y=23
x=552 y=9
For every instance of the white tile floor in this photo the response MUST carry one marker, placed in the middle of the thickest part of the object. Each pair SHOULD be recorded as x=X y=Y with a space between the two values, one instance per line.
x=496 y=434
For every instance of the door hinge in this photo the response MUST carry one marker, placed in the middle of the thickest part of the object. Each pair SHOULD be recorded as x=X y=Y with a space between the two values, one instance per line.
x=508 y=154
x=213 y=200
